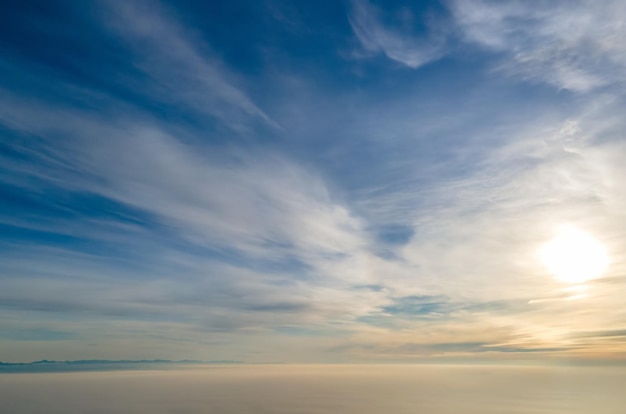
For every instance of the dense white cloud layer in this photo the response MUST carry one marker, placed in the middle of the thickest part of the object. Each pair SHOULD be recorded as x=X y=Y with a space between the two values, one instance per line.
x=320 y=389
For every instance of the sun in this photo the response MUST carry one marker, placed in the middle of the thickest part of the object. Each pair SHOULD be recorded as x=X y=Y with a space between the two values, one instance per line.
x=574 y=256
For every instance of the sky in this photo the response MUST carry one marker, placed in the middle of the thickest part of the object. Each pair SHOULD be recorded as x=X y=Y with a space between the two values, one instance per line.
x=323 y=181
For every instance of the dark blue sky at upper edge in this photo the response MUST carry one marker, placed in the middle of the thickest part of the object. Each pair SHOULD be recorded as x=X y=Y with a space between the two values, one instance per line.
x=254 y=180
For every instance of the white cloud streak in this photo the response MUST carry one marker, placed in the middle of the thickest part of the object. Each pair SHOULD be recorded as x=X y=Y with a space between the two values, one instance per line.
x=181 y=70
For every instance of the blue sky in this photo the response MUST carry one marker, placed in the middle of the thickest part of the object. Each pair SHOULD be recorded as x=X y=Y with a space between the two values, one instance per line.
x=309 y=182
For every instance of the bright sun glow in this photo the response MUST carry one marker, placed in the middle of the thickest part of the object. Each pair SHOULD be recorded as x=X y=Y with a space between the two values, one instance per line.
x=574 y=256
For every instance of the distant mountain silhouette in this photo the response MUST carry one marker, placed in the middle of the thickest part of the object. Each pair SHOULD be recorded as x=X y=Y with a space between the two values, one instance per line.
x=96 y=364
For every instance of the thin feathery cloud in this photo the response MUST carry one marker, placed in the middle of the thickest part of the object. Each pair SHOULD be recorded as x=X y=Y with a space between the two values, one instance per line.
x=250 y=203
x=573 y=45
x=401 y=46
x=181 y=70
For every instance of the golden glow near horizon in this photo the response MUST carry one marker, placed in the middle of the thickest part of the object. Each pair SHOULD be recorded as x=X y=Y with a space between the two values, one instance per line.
x=574 y=256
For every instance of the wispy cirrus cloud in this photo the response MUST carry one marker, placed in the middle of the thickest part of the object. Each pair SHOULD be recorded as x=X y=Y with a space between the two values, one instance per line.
x=576 y=45
x=180 y=69
x=402 y=46
x=290 y=246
